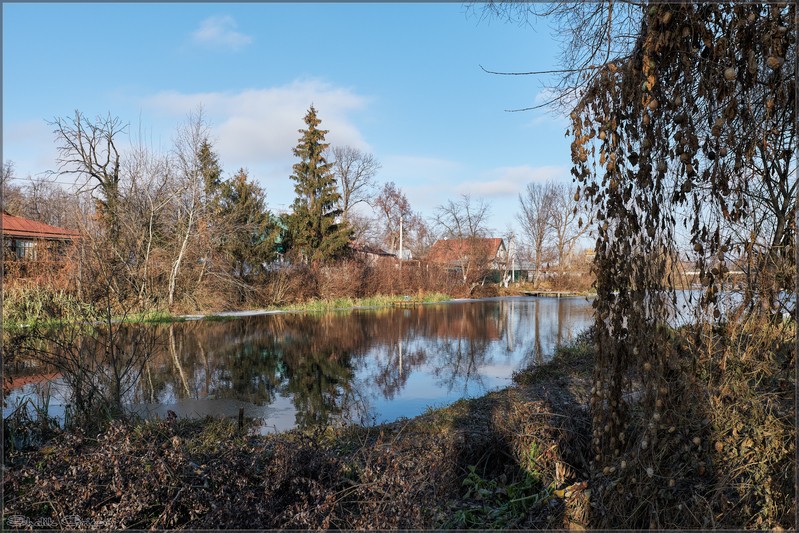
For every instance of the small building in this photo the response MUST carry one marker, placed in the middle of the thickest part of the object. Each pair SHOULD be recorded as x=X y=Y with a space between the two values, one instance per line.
x=455 y=253
x=479 y=258
x=27 y=239
x=371 y=254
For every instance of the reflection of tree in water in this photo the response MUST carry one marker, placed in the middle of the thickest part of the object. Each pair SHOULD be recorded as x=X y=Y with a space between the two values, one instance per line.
x=460 y=338
x=315 y=359
x=222 y=360
x=457 y=361
x=396 y=367
x=542 y=324
x=454 y=339
x=318 y=358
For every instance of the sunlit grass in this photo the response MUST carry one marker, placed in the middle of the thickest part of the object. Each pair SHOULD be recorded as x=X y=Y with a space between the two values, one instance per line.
x=151 y=317
x=378 y=301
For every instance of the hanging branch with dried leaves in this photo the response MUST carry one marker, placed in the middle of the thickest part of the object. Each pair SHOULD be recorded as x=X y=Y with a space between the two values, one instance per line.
x=695 y=129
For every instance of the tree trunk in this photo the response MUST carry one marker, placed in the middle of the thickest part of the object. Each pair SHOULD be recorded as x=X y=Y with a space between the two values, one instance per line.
x=176 y=265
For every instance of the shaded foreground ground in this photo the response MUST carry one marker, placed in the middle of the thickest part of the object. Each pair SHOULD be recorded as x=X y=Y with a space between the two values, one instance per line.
x=517 y=458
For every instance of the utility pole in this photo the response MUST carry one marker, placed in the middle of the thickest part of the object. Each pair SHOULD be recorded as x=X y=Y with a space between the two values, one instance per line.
x=400 y=254
x=512 y=252
x=400 y=247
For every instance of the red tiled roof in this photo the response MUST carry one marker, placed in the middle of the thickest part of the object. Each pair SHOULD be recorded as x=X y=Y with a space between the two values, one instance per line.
x=21 y=227
x=453 y=250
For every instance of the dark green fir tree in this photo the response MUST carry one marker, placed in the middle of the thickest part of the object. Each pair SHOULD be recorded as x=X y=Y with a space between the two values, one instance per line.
x=317 y=231
x=248 y=234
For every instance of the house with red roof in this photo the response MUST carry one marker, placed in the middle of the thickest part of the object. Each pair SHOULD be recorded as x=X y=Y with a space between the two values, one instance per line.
x=470 y=256
x=24 y=238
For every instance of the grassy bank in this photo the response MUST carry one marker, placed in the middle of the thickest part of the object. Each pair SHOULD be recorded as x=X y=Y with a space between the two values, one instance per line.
x=369 y=302
x=50 y=309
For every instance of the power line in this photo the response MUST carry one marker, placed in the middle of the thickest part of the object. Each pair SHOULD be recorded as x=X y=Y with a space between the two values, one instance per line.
x=31 y=180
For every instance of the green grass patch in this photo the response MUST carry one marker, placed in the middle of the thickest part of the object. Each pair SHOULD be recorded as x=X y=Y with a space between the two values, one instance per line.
x=151 y=317
x=378 y=301
x=43 y=307
x=436 y=297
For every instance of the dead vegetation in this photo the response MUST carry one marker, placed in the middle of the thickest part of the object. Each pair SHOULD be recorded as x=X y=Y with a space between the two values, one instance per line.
x=502 y=460
x=517 y=458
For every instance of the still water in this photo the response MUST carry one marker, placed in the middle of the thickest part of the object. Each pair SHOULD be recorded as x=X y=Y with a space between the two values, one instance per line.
x=362 y=366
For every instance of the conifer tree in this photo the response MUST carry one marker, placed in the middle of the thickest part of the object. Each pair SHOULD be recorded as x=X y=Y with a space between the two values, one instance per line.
x=210 y=168
x=316 y=232
x=248 y=232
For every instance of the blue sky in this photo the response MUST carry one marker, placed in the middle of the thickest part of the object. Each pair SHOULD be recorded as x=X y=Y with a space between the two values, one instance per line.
x=402 y=81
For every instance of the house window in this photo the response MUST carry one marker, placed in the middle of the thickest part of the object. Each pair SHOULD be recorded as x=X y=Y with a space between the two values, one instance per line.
x=25 y=249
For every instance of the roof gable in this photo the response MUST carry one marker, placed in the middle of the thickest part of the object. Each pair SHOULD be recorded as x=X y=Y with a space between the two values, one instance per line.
x=25 y=228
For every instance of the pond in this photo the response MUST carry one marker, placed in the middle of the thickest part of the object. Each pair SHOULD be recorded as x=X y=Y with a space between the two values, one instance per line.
x=361 y=366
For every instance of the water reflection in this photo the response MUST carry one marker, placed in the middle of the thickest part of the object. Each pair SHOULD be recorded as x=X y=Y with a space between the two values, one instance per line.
x=364 y=366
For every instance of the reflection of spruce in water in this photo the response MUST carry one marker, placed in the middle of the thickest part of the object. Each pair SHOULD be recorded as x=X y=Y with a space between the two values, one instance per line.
x=332 y=366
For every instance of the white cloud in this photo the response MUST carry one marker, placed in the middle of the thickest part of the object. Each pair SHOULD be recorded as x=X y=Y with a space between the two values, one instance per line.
x=220 y=31
x=510 y=181
x=258 y=128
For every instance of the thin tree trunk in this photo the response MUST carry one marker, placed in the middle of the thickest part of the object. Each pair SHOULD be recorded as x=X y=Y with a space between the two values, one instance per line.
x=176 y=265
x=176 y=360
x=147 y=256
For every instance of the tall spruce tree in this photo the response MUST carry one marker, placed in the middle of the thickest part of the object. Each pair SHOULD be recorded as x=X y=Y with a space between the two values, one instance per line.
x=316 y=231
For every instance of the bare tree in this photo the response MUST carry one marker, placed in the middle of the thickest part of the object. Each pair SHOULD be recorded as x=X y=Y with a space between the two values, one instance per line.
x=568 y=219
x=464 y=219
x=97 y=354
x=48 y=202
x=392 y=207
x=190 y=188
x=149 y=178
x=463 y=224
x=420 y=236
x=12 y=195
x=363 y=227
x=355 y=172
x=89 y=150
x=536 y=205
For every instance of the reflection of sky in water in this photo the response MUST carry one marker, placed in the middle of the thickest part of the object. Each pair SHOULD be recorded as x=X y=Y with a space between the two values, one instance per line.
x=530 y=328
x=365 y=366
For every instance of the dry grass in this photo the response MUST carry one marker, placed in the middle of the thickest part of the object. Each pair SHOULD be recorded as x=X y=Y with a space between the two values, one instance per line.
x=724 y=456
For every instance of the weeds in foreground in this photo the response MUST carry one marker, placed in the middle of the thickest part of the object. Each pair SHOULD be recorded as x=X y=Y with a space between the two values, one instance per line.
x=725 y=457
x=29 y=423
x=496 y=503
